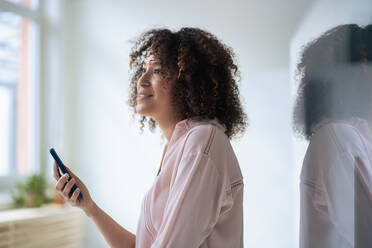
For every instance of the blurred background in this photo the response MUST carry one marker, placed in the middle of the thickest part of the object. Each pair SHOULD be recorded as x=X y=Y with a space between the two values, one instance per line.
x=64 y=84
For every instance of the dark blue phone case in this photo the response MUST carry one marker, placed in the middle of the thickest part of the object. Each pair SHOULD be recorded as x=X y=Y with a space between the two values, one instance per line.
x=63 y=169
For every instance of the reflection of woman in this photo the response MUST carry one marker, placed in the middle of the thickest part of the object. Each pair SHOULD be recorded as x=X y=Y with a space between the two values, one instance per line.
x=185 y=82
x=333 y=111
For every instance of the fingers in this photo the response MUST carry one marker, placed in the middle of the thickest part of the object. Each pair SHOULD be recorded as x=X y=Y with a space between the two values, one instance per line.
x=66 y=182
x=69 y=171
x=74 y=196
x=68 y=187
x=61 y=182
x=64 y=185
x=56 y=173
x=73 y=176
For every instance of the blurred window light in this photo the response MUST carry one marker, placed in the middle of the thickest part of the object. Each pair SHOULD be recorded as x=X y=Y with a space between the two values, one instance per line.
x=26 y=3
x=18 y=45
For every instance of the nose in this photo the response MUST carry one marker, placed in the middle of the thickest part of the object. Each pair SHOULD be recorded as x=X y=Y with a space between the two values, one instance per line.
x=143 y=81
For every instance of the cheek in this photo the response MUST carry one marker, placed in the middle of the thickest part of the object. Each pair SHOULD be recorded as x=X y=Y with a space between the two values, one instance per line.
x=167 y=96
x=163 y=91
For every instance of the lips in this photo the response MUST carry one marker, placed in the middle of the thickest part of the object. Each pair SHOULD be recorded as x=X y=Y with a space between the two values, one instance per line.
x=143 y=96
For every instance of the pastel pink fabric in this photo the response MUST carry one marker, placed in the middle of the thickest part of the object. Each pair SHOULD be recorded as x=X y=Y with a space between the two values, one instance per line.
x=196 y=199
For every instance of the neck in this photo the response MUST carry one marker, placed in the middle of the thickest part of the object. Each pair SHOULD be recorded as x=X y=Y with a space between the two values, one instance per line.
x=167 y=126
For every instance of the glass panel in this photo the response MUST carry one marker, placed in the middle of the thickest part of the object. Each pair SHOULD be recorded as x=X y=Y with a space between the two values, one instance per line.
x=17 y=46
x=27 y=3
x=10 y=42
x=5 y=131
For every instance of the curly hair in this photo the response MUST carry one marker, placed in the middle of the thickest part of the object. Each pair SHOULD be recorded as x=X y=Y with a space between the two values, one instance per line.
x=334 y=78
x=205 y=71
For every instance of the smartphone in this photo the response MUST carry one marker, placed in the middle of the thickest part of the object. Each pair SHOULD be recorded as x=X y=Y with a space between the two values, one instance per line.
x=63 y=169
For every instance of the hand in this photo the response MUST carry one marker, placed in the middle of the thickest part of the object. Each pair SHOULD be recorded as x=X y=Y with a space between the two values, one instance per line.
x=64 y=187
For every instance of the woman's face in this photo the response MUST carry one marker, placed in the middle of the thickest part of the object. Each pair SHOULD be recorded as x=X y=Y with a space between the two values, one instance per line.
x=154 y=91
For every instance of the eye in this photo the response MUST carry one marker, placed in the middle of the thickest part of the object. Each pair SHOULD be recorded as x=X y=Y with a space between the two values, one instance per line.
x=157 y=71
x=143 y=69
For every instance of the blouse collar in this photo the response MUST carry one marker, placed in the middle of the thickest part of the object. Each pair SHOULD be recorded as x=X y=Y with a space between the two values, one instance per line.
x=185 y=125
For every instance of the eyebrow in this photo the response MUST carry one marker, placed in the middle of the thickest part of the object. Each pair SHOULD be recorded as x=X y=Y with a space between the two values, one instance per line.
x=154 y=63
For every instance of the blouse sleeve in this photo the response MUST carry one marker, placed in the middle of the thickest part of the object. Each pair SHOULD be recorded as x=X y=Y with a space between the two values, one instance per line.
x=196 y=199
x=328 y=161
x=339 y=194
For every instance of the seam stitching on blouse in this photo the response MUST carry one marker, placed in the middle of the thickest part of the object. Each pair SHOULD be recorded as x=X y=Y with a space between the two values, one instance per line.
x=233 y=185
x=210 y=140
x=335 y=139
x=359 y=160
x=314 y=186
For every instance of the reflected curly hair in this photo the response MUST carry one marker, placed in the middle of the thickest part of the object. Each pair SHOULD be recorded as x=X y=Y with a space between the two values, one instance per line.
x=335 y=81
x=205 y=71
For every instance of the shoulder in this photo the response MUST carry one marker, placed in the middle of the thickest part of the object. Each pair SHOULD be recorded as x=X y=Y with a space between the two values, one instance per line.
x=211 y=141
x=205 y=137
x=341 y=136
x=332 y=145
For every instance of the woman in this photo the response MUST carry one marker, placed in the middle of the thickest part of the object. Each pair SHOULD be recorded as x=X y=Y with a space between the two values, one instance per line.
x=185 y=82
x=333 y=111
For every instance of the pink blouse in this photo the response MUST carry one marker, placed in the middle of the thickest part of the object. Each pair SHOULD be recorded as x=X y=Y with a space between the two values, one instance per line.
x=196 y=199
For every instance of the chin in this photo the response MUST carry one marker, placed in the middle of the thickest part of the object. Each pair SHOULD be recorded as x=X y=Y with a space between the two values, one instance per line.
x=144 y=113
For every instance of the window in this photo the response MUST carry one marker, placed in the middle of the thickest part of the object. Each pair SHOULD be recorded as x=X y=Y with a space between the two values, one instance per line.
x=18 y=71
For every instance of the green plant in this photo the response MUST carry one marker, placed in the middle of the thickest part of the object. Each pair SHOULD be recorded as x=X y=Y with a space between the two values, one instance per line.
x=32 y=193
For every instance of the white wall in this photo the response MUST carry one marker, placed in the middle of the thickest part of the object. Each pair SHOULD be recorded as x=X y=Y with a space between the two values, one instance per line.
x=265 y=157
x=104 y=146
x=57 y=94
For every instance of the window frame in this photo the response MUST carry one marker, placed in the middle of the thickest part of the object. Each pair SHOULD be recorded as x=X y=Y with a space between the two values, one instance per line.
x=8 y=182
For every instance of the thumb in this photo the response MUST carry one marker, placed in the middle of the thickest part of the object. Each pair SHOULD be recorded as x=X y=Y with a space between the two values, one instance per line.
x=70 y=172
x=77 y=179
